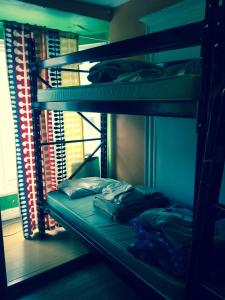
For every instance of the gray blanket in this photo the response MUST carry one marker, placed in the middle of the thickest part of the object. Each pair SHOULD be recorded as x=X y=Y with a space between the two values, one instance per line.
x=122 y=70
x=130 y=204
x=129 y=70
x=175 y=222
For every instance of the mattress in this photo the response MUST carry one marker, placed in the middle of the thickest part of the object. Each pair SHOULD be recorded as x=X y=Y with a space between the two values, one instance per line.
x=114 y=238
x=185 y=87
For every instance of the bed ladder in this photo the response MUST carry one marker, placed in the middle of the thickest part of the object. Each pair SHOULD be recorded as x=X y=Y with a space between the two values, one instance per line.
x=210 y=154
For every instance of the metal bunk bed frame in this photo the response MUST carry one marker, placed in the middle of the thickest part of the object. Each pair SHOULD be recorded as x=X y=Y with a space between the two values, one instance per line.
x=210 y=155
x=211 y=144
x=184 y=36
x=180 y=37
x=3 y=278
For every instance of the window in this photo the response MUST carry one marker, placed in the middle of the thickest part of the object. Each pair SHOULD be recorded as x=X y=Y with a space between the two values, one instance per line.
x=89 y=131
x=8 y=177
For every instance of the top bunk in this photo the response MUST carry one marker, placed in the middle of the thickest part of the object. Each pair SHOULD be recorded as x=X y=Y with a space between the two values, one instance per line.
x=173 y=95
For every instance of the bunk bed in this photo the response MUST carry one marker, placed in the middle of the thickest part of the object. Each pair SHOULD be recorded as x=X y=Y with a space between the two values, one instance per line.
x=123 y=97
x=78 y=216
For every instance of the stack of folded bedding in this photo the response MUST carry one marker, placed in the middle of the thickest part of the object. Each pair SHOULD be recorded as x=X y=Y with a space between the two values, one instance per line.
x=118 y=200
x=121 y=201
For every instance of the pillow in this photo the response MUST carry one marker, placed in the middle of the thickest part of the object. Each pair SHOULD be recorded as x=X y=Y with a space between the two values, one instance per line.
x=77 y=188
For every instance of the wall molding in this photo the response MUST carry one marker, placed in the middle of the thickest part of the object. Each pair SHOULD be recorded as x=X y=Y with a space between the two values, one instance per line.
x=185 y=12
x=150 y=152
x=11 y=213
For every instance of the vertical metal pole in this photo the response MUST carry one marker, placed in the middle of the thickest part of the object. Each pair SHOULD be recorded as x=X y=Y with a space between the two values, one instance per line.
x=3 y=278
x=104 y=159
x=203 y=104
x=211 y=148
x=37 y=143
x=39 y=175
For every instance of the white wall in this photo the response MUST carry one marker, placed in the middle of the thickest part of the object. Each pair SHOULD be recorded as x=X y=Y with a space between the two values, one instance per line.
x=171 y=142
x=8 y=177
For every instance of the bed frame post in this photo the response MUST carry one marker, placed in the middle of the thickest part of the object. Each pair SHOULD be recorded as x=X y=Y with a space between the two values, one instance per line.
x=3 y=279
x=211 y=152
x=39 y=177
x=37 y=144
x=104 y=160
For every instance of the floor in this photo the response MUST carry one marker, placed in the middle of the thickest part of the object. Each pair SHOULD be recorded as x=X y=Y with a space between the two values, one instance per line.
x=92 y=282
x=27 y=259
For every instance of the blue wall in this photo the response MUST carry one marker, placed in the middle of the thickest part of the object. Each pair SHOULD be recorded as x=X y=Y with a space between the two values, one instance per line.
x=175 y=155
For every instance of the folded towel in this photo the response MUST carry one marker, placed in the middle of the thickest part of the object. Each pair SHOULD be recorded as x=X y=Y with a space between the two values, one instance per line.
x=114 y=189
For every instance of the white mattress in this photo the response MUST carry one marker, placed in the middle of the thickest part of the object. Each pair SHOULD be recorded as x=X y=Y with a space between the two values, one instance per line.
x=185 y=87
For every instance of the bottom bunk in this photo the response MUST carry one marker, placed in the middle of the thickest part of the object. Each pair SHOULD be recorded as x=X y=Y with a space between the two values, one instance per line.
x=138 y=230
x=111 y=239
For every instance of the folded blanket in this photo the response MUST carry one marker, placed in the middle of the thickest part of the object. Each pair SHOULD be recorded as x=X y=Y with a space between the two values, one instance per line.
x=110 y=70
x=174 y=221
x=119 y=211
x=77 y=188
x=129 y=204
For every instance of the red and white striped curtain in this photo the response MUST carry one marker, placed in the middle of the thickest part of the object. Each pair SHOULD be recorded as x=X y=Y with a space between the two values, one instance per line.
x=58 y=161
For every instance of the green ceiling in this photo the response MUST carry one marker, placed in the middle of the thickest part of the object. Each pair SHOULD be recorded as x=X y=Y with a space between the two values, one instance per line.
x=13 y=10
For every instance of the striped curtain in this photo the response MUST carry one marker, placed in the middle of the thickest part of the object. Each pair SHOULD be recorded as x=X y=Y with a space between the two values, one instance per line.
x=57 y=161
